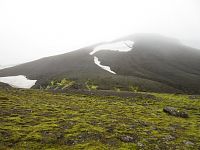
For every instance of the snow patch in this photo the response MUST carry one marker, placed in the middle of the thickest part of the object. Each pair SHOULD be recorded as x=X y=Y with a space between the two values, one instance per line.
x=98 y=63
x=122 y=46
x=19 y=81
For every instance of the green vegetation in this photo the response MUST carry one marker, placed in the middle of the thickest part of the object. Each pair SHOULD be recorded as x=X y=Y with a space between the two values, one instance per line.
x=90 y=85
x=35 y=119
x=117 y=89
x=134 y=88
x=60 y=84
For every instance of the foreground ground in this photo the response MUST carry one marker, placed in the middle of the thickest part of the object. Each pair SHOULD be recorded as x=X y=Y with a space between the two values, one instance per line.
x=33 y=119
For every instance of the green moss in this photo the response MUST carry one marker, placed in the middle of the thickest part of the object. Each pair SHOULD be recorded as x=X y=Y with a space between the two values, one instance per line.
x=34 y=136
x=90 y=85
x=126 y=146
x=34 y=119
x=60 y=84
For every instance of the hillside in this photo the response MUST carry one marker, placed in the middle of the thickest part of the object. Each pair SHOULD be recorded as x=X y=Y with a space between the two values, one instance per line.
x=159 y=59
x=155 y=63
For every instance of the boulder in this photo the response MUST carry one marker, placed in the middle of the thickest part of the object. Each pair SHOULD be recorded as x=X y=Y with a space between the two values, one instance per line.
x=174 y=112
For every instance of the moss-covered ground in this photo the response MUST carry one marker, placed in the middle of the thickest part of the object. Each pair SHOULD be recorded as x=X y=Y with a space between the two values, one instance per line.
x=34 y=119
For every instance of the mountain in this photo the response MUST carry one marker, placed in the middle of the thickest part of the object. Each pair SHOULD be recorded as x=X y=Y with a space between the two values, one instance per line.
x=153 y=63
x=160 y=59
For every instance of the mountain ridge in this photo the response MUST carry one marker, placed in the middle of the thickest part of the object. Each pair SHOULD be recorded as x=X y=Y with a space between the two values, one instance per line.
x=154 y=59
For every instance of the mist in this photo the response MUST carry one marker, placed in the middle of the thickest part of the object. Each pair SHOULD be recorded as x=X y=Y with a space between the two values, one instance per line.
x=31 y=30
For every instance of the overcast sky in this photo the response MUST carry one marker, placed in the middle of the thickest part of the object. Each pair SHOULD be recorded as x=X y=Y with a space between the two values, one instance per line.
x=31 y=29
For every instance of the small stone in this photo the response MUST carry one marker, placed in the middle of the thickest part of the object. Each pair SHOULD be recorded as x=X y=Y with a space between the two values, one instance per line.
x=133 y=126
x=140 y=144
x=189 y=143
x=128 y=139
x=169 y=138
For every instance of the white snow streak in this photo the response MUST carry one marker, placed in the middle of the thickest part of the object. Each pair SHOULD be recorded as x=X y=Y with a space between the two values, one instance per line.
x=98 y=63
x=122 y=46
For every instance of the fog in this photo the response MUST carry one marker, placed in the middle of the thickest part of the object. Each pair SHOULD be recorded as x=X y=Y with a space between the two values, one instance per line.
x=31 y=29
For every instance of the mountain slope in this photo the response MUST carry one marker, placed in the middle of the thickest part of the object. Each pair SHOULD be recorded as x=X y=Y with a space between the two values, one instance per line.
x=158 y=59
x=47 y=68
x=155 y=63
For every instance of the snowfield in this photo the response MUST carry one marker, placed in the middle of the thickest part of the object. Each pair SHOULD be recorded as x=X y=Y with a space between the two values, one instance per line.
x=19 y=81
x=122 y=46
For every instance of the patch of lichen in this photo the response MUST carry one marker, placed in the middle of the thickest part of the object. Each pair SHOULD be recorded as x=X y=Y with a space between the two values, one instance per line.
x=34 y=119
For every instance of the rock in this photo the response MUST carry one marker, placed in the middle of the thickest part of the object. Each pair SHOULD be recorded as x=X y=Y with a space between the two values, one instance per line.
x=140 y=144
x=183 y=114
x=174 y=112
x=169 y=138
x=70 y=142
x=128 y=138
x=188 y=143
x=110 y=141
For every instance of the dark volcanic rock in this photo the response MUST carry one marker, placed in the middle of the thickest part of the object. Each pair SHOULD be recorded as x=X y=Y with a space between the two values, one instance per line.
x=174 y=112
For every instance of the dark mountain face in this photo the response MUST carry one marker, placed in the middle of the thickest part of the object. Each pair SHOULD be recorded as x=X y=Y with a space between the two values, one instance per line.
x=159 y=59
x=155 y=63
